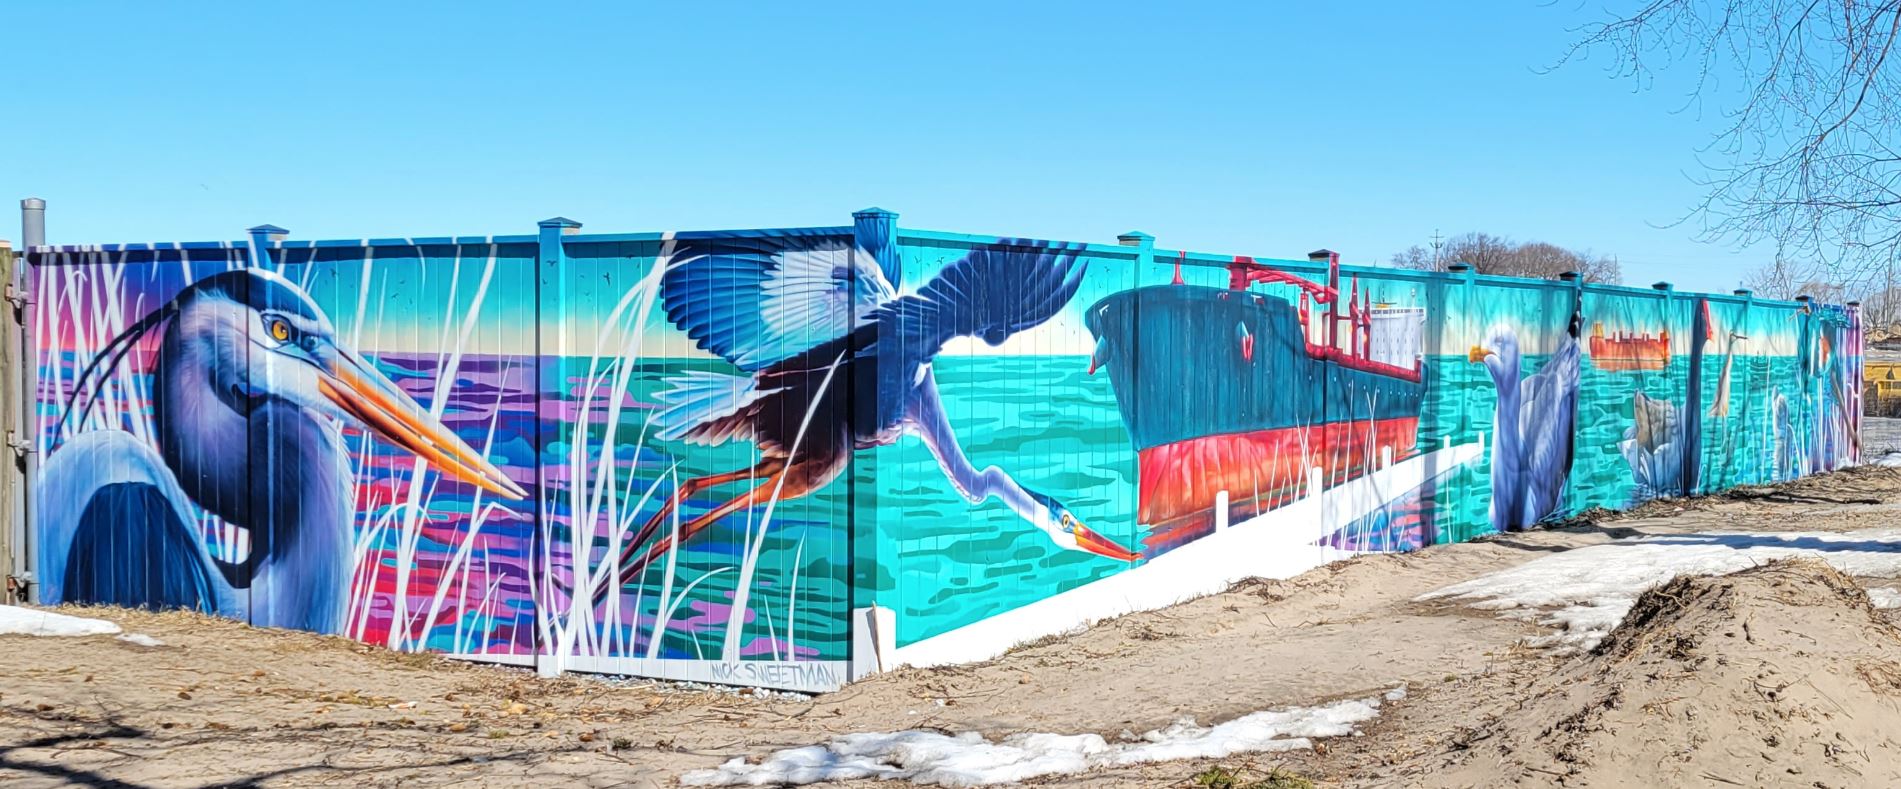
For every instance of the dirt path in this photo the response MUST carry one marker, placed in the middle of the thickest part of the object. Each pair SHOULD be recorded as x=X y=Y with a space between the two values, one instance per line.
x=225 y=704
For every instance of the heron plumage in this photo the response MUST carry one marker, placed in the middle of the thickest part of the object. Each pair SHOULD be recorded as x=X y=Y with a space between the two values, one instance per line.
x=249 y=387
x=832 y=360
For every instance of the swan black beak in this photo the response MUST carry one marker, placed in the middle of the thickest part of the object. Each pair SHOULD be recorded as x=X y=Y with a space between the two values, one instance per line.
x=369 y=396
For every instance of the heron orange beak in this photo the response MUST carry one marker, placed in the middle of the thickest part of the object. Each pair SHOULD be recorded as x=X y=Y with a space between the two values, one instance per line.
x=1476 y=355
x=1088 y=540
x=362 y=392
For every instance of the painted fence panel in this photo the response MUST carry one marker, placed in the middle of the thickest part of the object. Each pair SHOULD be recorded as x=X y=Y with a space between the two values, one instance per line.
x=1024 y=488
x=225 y=411
x=688 y=533
x=790 y=457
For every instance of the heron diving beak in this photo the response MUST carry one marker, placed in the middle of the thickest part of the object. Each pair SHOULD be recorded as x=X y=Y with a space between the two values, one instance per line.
x=373 y=399
x=1477 y=354
x=1088 y=540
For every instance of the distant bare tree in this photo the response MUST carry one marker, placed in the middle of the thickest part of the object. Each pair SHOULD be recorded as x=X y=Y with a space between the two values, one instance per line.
x=1825 y=292
x=1491 y=254
x=1879 y=294
x=1810 y=151
x=1415 y=257
x=1539 y=259
x=1487 y=253
x=1881 y=308
x=1778 y=280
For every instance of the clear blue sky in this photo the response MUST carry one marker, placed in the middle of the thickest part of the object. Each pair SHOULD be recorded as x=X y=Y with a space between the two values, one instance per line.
x=1262 y=128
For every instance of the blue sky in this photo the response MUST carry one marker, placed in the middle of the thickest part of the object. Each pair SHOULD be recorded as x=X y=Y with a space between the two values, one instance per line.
x=1259 y=128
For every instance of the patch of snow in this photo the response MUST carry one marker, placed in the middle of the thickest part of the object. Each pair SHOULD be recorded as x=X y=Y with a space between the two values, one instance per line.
x=142 y=640
x=1891 y=460
x=1587 y=591
x=968 y=759
x=15 y=620
x=1885 y=597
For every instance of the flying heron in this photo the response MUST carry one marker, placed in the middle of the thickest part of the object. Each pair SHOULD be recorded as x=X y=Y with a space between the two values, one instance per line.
x=833 y=360
x=249 y=386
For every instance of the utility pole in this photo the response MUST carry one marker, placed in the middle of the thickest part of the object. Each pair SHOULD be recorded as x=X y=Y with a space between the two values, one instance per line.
x=1886 y=316
x=15 y=543
x=1438 y=242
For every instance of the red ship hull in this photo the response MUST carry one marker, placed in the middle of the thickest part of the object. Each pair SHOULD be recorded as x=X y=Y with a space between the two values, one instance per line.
x=1623 y=354
x=1260 y=470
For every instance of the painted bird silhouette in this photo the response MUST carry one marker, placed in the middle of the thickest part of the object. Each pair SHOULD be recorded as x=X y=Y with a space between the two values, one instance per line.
x=248 y=389
x=832 y=360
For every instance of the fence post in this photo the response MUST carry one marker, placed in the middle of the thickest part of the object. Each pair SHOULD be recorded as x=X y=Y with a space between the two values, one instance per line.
x=261 y=238
x=875 y=230
x=1144 y=246
x=550 y=659
x=873 y=628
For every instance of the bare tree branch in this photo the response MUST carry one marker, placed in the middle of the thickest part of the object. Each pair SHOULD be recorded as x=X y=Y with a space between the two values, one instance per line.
x=1805 y=160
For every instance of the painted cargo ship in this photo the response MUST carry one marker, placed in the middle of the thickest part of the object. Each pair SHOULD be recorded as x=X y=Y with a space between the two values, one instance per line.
x=1244 y=392
x=1626 y=352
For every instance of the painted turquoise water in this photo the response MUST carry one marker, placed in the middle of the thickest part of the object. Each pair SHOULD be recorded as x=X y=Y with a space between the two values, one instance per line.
x=1736 y=449
x=1056 y=429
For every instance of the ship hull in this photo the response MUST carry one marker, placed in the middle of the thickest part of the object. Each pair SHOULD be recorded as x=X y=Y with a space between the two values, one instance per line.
x=1226 y=394
x=1629 y=354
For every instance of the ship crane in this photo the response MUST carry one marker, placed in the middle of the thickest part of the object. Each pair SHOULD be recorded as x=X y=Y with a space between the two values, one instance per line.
x=1244 y=272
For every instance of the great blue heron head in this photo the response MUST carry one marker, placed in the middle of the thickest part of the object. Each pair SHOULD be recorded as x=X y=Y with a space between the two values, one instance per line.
x=260 y=338
x=1067 y=531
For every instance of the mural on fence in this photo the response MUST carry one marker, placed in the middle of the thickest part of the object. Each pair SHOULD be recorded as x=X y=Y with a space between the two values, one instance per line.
x=699 y=455
x=765 y=363
x=213 y=439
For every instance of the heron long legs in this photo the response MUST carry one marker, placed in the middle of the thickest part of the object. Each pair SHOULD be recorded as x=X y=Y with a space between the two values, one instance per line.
x=693 y=485
x=799 y=480
x=765 y=468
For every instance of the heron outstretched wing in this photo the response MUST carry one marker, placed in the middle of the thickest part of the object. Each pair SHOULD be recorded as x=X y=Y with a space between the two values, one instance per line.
x=115 y=529
x=759 y=300
x=993 y=292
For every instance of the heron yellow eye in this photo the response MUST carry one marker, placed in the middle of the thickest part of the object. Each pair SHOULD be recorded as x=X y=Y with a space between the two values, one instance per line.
x=280 y=330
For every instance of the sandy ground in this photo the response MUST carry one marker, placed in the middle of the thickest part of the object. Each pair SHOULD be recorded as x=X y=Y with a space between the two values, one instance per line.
x=224 y=704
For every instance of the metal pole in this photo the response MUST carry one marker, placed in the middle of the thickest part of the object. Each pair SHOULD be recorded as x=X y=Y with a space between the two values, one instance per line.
x=33 y=222
x=13 y=562
x=26 y=342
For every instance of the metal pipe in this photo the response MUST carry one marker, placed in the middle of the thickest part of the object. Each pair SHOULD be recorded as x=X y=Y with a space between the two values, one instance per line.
x=33 y=222
x=26 y=345
x=12 y=537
